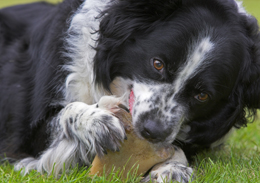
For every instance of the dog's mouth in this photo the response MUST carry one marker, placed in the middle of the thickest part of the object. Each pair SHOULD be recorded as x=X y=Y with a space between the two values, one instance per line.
x=130 y=101
x=147 y=122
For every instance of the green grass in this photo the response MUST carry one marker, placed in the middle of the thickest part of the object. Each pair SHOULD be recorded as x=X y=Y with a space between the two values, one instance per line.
x=238 y=161
x=76 y=175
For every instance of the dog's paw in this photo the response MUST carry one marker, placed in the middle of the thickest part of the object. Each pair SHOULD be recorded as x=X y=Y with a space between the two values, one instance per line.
x=95 y=127
x=106 y=132
x=169 y=171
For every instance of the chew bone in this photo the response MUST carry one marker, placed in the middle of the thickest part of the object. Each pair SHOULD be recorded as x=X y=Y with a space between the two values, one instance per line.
x=134 y=152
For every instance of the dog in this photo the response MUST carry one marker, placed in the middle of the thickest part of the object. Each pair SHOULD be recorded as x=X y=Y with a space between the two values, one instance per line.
x=193 y=67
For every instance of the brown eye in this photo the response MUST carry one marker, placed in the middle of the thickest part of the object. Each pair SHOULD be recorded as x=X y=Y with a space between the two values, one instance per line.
x=202 y=97
x=158 y=65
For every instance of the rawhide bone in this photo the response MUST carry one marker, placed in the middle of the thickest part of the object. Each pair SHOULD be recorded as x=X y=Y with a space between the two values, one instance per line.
x=134 y=152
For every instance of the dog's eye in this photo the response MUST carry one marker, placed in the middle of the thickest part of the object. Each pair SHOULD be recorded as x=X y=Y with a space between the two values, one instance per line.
x=202 y=97
x=158 y=65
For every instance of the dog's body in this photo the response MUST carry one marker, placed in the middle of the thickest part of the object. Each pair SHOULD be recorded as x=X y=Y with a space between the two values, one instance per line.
x=193 y=66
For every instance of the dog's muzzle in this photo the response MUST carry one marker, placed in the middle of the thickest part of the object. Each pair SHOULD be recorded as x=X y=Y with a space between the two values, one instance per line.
x=154 y=131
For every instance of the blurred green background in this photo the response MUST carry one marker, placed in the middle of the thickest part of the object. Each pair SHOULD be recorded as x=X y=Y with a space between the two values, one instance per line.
x=4 y=3
x=251 y=5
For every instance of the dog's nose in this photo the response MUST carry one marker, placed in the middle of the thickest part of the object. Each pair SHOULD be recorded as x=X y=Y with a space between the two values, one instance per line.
x=155 y=131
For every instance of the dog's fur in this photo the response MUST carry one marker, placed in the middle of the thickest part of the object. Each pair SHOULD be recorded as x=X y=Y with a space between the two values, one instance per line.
x=58 y=61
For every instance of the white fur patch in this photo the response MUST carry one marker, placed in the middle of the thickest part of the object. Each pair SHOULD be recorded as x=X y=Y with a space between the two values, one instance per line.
x=80 y=42
x=195 y=61
x=241 y=9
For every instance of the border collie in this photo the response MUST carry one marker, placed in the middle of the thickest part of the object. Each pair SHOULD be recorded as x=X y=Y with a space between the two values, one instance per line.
x=193 y=67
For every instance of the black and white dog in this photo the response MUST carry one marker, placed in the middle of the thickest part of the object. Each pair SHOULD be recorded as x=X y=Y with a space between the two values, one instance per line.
x=193 y=67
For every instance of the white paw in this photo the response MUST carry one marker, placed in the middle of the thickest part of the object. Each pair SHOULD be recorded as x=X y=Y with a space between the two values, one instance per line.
x=170 y=171
x=96 y=127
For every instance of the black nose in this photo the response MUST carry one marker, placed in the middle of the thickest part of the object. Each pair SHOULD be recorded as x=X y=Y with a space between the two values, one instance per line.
x=155 y=131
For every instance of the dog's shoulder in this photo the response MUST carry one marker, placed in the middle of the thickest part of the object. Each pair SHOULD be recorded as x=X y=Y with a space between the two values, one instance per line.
x=16 y=19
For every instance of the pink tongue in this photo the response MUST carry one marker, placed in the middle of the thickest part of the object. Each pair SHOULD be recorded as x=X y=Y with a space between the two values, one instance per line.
x=131 y=101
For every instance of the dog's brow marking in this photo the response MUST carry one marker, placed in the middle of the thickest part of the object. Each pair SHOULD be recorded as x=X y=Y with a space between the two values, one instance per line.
x=194 y=61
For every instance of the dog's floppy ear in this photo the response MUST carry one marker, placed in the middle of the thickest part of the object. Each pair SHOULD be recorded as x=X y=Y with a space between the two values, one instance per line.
x=121 y=23
x=250 y=75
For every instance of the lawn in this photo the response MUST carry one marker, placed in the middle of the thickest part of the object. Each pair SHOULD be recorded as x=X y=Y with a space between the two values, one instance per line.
x=238 y=160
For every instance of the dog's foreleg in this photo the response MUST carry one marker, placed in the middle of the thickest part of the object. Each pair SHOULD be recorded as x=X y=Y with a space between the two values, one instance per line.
x=79 y=133
x=173 y=169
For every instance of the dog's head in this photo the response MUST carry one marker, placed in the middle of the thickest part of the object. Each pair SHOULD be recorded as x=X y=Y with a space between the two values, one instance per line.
x=193 y=65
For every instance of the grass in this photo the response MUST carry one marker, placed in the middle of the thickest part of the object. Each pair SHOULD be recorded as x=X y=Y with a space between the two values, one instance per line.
x=237 y=161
